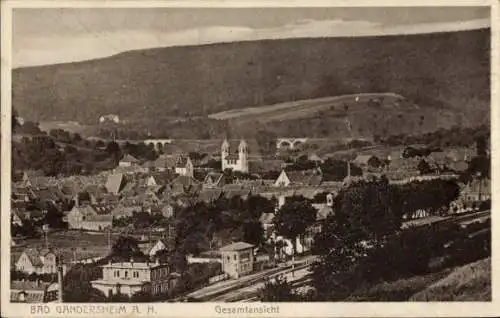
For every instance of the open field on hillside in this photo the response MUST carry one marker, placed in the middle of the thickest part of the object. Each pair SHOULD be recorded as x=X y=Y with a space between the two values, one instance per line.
x=306 y=108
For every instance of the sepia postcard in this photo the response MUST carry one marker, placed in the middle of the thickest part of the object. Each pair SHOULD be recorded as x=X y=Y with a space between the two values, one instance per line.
x=249 y=158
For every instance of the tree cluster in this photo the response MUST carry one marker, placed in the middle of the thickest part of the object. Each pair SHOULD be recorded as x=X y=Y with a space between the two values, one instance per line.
x=205 y=226
x=362 y=242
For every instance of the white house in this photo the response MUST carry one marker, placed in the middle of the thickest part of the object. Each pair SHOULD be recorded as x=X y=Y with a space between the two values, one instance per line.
x=128 y=278
x=87 y=218
x=37 y=261
x=184 y=167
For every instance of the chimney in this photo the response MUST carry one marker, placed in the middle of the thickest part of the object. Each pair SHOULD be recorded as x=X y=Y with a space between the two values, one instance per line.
x=131 y=261
x=38 y=282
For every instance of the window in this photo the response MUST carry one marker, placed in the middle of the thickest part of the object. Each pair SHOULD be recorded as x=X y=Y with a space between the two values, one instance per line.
x=136 y=274
x=126 y=274
x=234 y=256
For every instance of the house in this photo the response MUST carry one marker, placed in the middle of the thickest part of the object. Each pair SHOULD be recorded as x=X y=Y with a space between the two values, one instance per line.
x=22 y=194
x=214 y=180
x=367 y=161
x=87 y=218
x=129 y=161
x=160 y=245
x=298 y=178
x=29 y=177
x=15 y=218
x=184 y=166
x=37 y=261
x=128 y=278
x=237 y=259
x=33 y=292
x=115 y=183
x=477 y=191
x=122 y=210
x=164 y=162
x=234 y=161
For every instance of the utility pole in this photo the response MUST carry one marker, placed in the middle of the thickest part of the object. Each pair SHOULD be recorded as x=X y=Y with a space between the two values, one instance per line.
x=109 y=238
x=59 y=279
x=45 y=229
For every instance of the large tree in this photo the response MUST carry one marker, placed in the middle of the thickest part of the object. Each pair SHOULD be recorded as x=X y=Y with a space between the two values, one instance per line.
x=125 y=248
x=293 y=218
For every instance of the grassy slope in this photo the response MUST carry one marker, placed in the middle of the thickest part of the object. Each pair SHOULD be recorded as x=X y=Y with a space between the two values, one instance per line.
x=471 y=282
x=435 y=71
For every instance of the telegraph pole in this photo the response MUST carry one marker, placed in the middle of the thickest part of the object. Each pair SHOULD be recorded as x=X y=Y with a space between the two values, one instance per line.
x=59 y=279
x=109 y=238
x=45 y=229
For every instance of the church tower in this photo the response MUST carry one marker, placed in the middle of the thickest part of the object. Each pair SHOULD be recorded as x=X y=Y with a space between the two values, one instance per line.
x=224 y=154
x=243 y=156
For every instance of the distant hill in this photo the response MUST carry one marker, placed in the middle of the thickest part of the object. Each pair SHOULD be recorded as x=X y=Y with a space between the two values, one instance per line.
x=443 y=73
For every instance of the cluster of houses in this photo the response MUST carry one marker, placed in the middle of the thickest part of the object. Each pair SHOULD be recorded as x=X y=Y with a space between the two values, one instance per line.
x=92 y=203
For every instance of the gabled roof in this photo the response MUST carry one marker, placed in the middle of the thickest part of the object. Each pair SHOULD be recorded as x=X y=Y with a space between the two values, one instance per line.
x=323 y=212
x=115 y=183
x=123 y=209
x=34 y=256
x=129 y=158
x=308 y=177
x=238 y=246
x=86 y=210
x=363 y=159
x=182 y=161
x=29 y=285
x=213 y=178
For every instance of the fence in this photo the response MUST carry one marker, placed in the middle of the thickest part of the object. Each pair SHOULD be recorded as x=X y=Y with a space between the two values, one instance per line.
x=218 y=278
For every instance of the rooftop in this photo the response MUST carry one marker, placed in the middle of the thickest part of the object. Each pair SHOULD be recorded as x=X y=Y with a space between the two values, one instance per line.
x=137 y=265
x=238 y=246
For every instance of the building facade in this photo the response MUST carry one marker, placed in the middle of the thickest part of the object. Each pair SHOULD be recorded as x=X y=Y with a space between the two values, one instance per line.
x=237 y=259
x=37 y=261
x=184 y=167
x=33 y=292
x=128 y=278
x=235 y=161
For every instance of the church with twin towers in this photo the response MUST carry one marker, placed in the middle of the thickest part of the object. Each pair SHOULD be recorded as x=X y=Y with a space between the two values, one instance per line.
x=236 y=161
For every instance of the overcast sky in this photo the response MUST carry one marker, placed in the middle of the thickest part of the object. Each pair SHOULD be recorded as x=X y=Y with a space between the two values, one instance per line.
x=48 y=36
